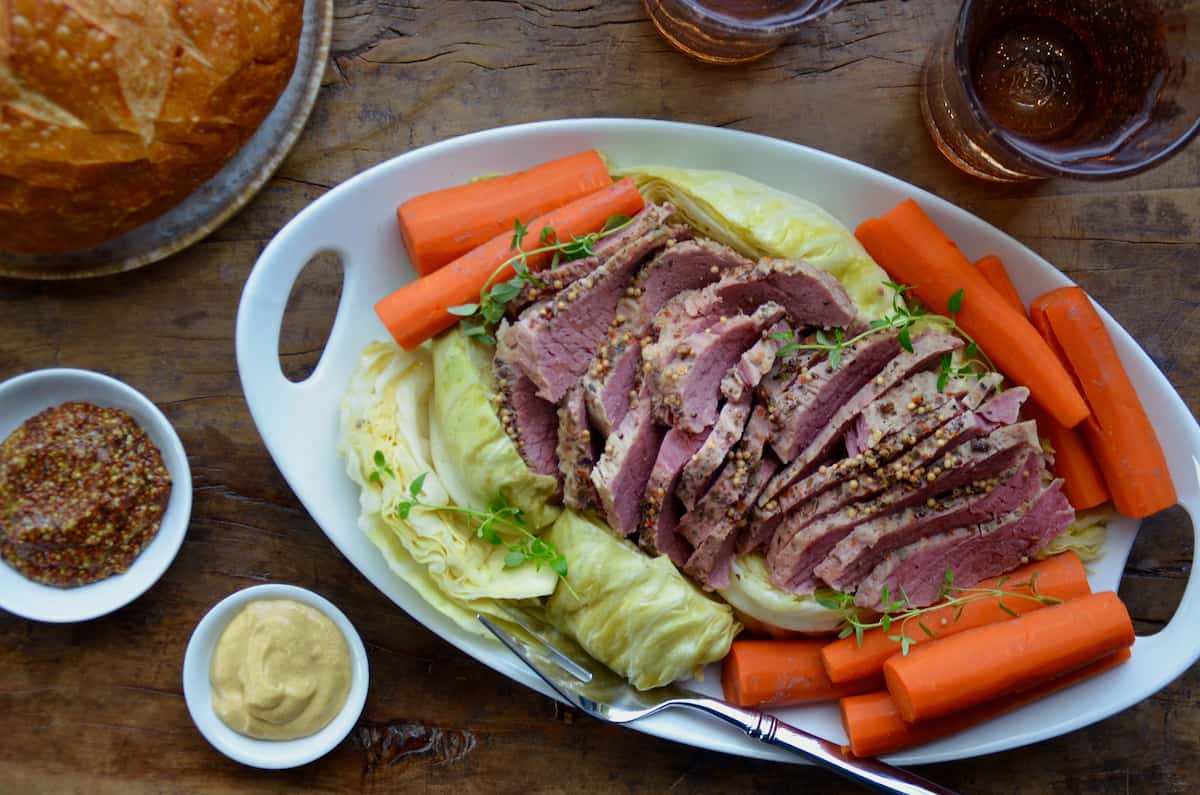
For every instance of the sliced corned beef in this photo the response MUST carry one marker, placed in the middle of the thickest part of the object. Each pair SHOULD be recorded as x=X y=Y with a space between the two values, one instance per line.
x=801 y=543
x=576 y=452
x=565 y=273
x=555 y=340
x=970 y=553
x=624 y=468
x=925 y=348
x=754 y=536
x=913 y=397
x=809 y=295
x=532 y=423
x=701 y=468
x=857 y=553
x=1005 y=407
x=611 y=382
x=713 y=526
x=660 y=508
x=755 y=363
x=687 y=389
x=815 y=395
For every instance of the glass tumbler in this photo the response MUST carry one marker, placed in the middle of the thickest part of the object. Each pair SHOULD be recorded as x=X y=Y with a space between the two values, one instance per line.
x=1088 y=89
x=732 y=31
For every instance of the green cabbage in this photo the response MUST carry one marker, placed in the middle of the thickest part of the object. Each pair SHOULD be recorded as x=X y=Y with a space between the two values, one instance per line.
x=1085 y=536
x=475 y=458
x=753 y=596
x=387 y=409
x=759 y=220
x=637 y=615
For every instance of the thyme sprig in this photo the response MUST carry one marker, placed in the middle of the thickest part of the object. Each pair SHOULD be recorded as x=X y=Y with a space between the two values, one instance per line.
x=901 y=319
x=479 y=318
x=898 y=612
x=500 y=513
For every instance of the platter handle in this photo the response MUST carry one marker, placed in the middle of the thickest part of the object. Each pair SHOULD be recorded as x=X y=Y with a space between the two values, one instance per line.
x=1178 y=643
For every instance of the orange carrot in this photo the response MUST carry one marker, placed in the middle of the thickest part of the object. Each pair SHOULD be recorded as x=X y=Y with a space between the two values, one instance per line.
x=440 y=226
x=1061 y=577
x=913 y=250
x=974 y=667
x=993 y=270
x=873 y=724
x=1083 y=484
x=420 y=309
x=758 y=673
x=1119 y=433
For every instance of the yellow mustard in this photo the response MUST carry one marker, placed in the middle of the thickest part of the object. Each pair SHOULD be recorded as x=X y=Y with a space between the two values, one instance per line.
x=281 y=670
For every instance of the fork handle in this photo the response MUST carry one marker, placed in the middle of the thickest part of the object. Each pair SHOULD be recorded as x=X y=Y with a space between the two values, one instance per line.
x=871 y=773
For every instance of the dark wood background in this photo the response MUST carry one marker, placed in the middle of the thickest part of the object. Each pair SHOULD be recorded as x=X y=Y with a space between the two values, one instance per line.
x=97 y=707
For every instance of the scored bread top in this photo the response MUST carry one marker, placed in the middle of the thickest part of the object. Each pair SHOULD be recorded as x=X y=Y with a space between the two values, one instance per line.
x=113 y=111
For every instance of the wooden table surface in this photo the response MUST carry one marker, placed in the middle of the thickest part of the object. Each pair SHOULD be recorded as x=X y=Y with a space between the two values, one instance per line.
x=97 y=707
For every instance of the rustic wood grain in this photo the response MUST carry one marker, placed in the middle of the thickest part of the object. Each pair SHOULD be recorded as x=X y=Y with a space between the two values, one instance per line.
x=97 y=707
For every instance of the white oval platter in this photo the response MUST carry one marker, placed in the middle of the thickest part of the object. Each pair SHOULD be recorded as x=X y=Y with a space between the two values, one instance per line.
x=356 y=220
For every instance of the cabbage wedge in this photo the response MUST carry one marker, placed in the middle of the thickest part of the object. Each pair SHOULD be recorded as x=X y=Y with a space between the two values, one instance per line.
x=758 y=220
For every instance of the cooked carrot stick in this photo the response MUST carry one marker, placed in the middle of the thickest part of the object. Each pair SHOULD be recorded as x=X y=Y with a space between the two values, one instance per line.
x=1119 y=433
x=758 y=673
x=913 y=250
x=1083 y=484
x=974 y=667
x=992 y=269
x=1061 y=577
x=874 y=726
x=441 y=226
x=420 y=309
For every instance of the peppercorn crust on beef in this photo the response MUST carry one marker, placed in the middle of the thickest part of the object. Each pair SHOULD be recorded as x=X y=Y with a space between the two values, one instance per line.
x=113 y=111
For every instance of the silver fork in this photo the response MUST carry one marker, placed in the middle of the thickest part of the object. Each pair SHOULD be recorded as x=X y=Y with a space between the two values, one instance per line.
x=592 y=688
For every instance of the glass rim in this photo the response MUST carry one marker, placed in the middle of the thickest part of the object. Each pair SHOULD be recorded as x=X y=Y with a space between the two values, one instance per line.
x=1039 y=165
x=780 y=24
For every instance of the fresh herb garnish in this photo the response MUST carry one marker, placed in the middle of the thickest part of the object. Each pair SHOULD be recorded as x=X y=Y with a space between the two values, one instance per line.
x=901 y=319
x=479 y=318
x=500 y=513
x=898 y=612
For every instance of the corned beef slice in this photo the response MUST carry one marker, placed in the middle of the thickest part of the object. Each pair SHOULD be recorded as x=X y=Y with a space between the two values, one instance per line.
x=926 y=348
x=687 y=389
x=555 y=340
x=532 y=423
x=624 y=468
x=576 y=452
x=754 y=364
x=713 y=527
x=971 y=553
x=701 y=468
x=799 y=543
x=660 y=509
x=754 y=536
x=613 y=375
x=809 y=295
x=817 y=393
x=883 y=417
x=856 y=554
x=565 y=273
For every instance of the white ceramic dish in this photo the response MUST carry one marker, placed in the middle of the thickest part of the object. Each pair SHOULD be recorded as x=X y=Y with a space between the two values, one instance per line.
x=356 y=220
x=23 y=396
x=268 y=754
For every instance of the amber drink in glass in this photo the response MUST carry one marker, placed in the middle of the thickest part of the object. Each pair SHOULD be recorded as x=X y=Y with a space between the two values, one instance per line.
x=732 y=31
x=1091 y=89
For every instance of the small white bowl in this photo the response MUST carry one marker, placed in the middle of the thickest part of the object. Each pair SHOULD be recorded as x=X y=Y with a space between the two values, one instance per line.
x=26 y=395
x=268 y=754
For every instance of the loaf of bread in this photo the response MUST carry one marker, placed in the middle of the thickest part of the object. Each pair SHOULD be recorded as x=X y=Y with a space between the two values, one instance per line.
x=113 y=111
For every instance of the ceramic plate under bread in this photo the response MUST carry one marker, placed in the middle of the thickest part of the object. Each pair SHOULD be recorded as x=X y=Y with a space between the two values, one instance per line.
x=356 y=220
x=222 y=195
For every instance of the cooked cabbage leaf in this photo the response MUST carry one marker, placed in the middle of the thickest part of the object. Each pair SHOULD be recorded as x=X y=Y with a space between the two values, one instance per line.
x=1086 y=536
x=759 y=220
x=752 y=595
x=474 y=457
x=636 y=614
x=387 y=409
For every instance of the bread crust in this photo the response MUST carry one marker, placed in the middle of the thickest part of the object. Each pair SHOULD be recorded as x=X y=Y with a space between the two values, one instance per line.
x=113 y=111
